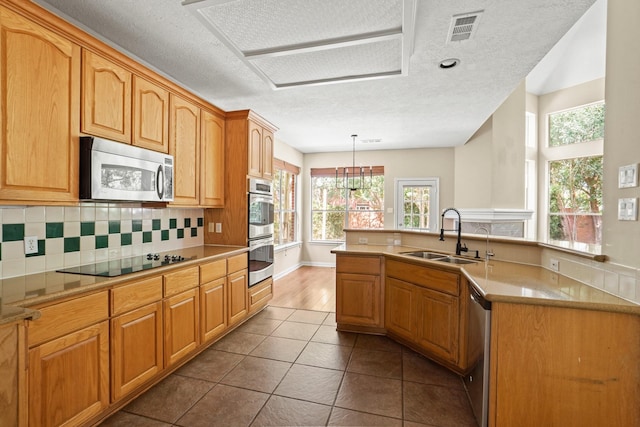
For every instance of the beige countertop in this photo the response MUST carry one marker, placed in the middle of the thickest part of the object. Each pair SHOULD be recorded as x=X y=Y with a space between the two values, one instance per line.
x=17 y=294
x=501 y=281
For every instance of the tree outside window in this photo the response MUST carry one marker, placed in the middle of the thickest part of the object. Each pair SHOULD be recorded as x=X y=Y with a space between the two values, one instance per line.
x=575 y=183
x=334 y=209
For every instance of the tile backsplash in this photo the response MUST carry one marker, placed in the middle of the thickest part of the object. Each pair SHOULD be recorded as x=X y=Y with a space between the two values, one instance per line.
x=91 y=232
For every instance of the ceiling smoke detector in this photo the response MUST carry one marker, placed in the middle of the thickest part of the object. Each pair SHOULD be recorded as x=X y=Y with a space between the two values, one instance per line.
x=464 y=26
x=445 y=64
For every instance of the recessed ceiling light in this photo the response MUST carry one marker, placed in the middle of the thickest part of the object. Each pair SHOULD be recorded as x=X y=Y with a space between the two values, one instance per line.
x=445 y=64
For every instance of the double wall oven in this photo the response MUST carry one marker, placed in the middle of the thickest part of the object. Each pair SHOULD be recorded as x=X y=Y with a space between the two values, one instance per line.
x=260 y=230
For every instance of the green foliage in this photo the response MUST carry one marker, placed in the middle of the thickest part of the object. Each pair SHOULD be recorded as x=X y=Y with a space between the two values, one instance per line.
x=578 y=125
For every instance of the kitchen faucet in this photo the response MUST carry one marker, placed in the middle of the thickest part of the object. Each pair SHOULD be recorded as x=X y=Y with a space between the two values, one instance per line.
x=459 y=247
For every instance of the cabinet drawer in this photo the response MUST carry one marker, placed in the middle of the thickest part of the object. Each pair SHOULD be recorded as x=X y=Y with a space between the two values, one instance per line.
x=181 y=280
x=237 y=263
x=60 y=319
x=213 y=270
x=260 y=293
x=358 y=264
x=133 y=295
x=422 y=275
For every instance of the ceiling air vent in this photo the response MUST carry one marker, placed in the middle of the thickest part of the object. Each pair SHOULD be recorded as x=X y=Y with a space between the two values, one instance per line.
x=463 y=27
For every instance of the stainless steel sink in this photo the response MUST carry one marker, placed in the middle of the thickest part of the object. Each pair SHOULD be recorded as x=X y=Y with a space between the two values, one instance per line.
x=434 y=256
x=425 y=255
x=452 y=260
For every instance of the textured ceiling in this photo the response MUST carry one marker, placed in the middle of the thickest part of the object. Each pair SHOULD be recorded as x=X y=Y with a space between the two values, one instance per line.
x=428 y=107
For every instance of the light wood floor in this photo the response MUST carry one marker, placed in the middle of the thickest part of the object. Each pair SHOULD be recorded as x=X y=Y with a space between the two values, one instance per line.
x=309 y=288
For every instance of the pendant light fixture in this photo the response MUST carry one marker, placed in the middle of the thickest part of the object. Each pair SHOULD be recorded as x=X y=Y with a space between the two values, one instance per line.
x=354 y=178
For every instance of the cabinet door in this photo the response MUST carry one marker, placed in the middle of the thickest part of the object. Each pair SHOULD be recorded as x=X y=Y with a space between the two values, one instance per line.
x=136 y=348
x=267 y=154
x=400 y=307
x=213 y=309
x=438 y=317
x=237 y=304
x=212 y=161
x=358 y=299
x=184 y=145
x=181 y=323
x=255 y=150
x=13 y=390
x=150 y=115
x=69 y=377
x=106 y=98
x=40 y=120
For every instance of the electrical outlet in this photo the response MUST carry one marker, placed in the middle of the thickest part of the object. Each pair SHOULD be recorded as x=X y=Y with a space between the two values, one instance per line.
x=211 y=225
x=554 y=264
x=30 y=245
x=363 y=240
x=218 y=227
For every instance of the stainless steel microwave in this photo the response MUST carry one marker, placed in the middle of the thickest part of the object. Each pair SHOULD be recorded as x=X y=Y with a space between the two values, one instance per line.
x=116 y=171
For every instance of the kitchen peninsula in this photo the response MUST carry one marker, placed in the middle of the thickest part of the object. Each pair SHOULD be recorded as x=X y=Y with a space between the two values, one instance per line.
x=562 y=352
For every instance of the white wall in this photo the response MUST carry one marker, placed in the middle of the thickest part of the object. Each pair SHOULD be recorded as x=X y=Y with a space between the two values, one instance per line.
x=621 y=239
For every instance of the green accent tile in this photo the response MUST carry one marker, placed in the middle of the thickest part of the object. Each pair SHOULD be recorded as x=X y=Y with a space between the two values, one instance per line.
x=54 y=230
x=125 y=239
x=136 y=225
x=187 y=222
x=71 y=244
x=87 y=228
x=114 y=227
x=12 y=232
x=200 y=222
x=165 y=235
x=173 y=223
x=102 y=242
x=146 y=237
x=180 y=233
x=194 y=232
x=40 y=249
x=155 y=224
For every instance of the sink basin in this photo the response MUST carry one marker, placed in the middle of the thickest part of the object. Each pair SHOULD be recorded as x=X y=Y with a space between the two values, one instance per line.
x=439 y=257
x=452 y=260
x=425 y=255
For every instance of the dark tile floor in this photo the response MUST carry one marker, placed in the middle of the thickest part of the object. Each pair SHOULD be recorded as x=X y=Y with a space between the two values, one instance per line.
x=288 y=367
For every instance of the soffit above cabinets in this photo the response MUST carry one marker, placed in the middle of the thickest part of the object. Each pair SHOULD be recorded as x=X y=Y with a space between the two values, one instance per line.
x=289 y=43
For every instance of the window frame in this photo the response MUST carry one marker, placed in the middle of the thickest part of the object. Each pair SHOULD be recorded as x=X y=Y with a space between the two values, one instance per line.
x=550 y=154
x=280 y=165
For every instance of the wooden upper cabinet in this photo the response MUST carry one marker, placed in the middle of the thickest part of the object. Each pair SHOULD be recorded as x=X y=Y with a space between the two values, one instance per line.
x=260 y=151
x=184 y=145
x=106 y=98
x=40 y=121
x=212 y=160
x=150 y=115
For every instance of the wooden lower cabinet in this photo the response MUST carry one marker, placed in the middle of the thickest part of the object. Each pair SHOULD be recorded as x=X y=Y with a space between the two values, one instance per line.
x=359 y=293
x=438 y=319
x=238 y=303
x=213 y=309
x=556 y=366
x=400 y=316
x=181 y=325
x=69 y=377
x=13 y=392
x=136 y=348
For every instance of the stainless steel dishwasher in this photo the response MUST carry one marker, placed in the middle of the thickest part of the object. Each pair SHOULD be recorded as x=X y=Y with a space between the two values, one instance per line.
x=478 y=342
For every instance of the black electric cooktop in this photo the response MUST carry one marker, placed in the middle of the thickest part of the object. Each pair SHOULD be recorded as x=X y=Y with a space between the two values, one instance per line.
x=118 y=267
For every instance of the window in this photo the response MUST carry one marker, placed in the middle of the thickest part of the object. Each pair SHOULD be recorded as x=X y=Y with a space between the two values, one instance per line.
x=417 y=204
x=285 y=181
x=333 y=209
x=575 y=177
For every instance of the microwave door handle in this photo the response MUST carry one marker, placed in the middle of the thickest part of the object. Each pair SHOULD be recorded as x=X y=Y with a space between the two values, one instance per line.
x=160 y=182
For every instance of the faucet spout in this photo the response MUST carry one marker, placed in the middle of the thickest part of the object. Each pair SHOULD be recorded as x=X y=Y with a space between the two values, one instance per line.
x=459 y=247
